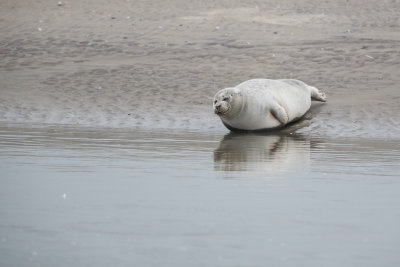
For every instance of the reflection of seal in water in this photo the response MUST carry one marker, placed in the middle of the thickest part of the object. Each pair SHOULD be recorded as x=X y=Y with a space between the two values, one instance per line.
x=258 y=152
x=263 y=104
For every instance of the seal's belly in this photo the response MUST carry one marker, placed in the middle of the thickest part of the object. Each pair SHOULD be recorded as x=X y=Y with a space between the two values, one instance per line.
x=253 y=119
x=257 y=113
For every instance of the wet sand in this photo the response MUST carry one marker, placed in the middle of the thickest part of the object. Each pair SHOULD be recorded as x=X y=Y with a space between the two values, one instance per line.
x=110 y=153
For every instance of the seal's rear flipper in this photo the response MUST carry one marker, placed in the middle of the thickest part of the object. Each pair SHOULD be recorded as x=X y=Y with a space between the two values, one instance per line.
x=317 y=95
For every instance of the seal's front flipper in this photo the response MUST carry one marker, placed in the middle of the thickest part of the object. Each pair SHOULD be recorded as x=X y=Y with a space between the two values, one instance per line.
x=317 y=95
x=280 y=114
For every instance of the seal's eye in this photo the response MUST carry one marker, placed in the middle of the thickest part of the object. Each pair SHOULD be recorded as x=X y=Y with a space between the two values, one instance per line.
x=215 y=101
x=225 y=99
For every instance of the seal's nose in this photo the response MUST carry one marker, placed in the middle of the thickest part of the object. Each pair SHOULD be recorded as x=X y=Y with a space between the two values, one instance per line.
x=217 y=107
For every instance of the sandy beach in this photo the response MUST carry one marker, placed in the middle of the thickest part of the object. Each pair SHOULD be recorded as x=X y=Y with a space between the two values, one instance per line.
x=158 y=64
x=110 y=153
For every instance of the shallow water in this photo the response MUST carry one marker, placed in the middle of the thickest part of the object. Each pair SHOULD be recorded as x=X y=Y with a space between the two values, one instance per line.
x=101 y=197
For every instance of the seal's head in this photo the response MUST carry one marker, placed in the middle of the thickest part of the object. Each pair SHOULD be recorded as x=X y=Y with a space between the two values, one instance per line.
x=224 y=101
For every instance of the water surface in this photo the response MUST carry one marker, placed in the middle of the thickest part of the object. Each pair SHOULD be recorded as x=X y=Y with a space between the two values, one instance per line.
x=101 y=197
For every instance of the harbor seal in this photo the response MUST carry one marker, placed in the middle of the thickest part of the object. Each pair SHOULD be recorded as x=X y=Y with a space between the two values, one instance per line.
x=261 y=104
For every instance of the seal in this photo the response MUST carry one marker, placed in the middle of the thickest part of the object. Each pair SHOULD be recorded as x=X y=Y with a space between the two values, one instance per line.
x=261 y=104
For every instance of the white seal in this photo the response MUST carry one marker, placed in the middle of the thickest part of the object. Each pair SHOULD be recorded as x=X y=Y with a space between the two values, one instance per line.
x=260 y=104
